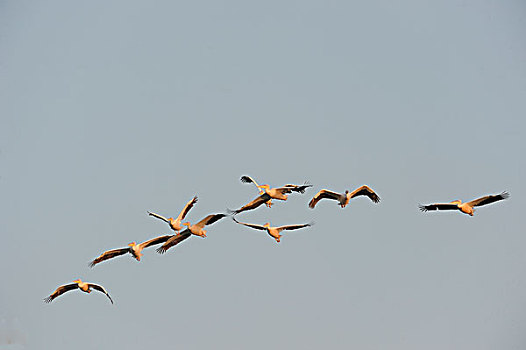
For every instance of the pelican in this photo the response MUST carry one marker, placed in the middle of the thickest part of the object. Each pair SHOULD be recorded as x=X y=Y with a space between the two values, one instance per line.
x=273 y=231
x=133 y=248
x=466 y=208
x=275 y=193
x=176 y=224
x=83 y=286
x=344 y=198
x=196 y=229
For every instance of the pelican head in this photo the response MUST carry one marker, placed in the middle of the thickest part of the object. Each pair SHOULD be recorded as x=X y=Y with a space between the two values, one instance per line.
x=132 y=244
x=267 y=224
x=77 y=281
x=186 y=224
x=264 y=186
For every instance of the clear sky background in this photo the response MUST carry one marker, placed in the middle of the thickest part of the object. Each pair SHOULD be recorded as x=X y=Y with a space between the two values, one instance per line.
x=108 y=110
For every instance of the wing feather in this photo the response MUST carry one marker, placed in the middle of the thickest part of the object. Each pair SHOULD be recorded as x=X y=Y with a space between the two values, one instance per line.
x=158 y=217
x=108 y=255
x=293 y=227
x=321 y=195
x=187 y=208
x=61 y=290
x=299 y=188
x=247 y=179
x=154 y=241
x=365 y=191
x=173 y=241
x=488 y=199
x=257 y=227
x=100 y=289
x=438 y=206
x=209 y=220
x=253 y=204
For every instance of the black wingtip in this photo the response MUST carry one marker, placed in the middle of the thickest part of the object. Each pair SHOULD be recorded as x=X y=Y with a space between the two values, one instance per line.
x=48 y=299
x=160 y=250
x=422 y=208
x=505 y=195
x=245 y=179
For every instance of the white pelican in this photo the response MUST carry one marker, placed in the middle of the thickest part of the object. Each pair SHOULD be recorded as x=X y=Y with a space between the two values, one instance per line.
x=133 y=248
x=467 y=208
x=196 y=229
x=83 y=286
x=273 y=231
x=344 y=198
x=277 y=193
x=176 y=224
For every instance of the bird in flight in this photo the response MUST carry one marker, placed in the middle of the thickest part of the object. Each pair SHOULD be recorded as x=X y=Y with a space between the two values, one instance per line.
x=344 y=198
x=468 y=207
x=83 y=286
x=273 y=231
x=175 y=224
x=196 y=229
x=134 y=249
x=277 y=193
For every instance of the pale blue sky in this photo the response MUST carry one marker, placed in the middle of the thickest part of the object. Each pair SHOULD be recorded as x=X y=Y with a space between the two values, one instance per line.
x=112 y=109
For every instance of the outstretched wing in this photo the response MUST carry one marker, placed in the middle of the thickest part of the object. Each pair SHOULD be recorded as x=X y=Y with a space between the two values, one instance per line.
x=299 y=188
x=100 y=289
x=61 y=290
x=187 y=208
x=438 y=206
x=257 y=227
x=173 y=241
x=293 y=227
x=247 y=179
x=154 y=241
x=323 y=194
x=254 y=204
x=365 y=191
x=108 y=255
x=158 y=217
x=209 y=220
x=488 y=199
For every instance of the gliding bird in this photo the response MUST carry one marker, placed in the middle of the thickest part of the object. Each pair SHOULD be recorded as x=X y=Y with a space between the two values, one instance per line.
x=133 y=248
x=344 y=198
x=466 y=208
x=279 y=194
x=83 y=286
x=273 y=231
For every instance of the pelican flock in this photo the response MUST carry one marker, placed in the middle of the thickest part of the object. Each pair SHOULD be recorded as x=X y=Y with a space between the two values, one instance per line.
x=184 y=230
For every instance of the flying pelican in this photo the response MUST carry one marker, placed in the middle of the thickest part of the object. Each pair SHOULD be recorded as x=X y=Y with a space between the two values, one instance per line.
x=273 y=231
x=467 y=208
x=83 y=286
x=344 y=198
x=133 y=248
x=271 y=192
x=196 y=229
x=176 y=224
